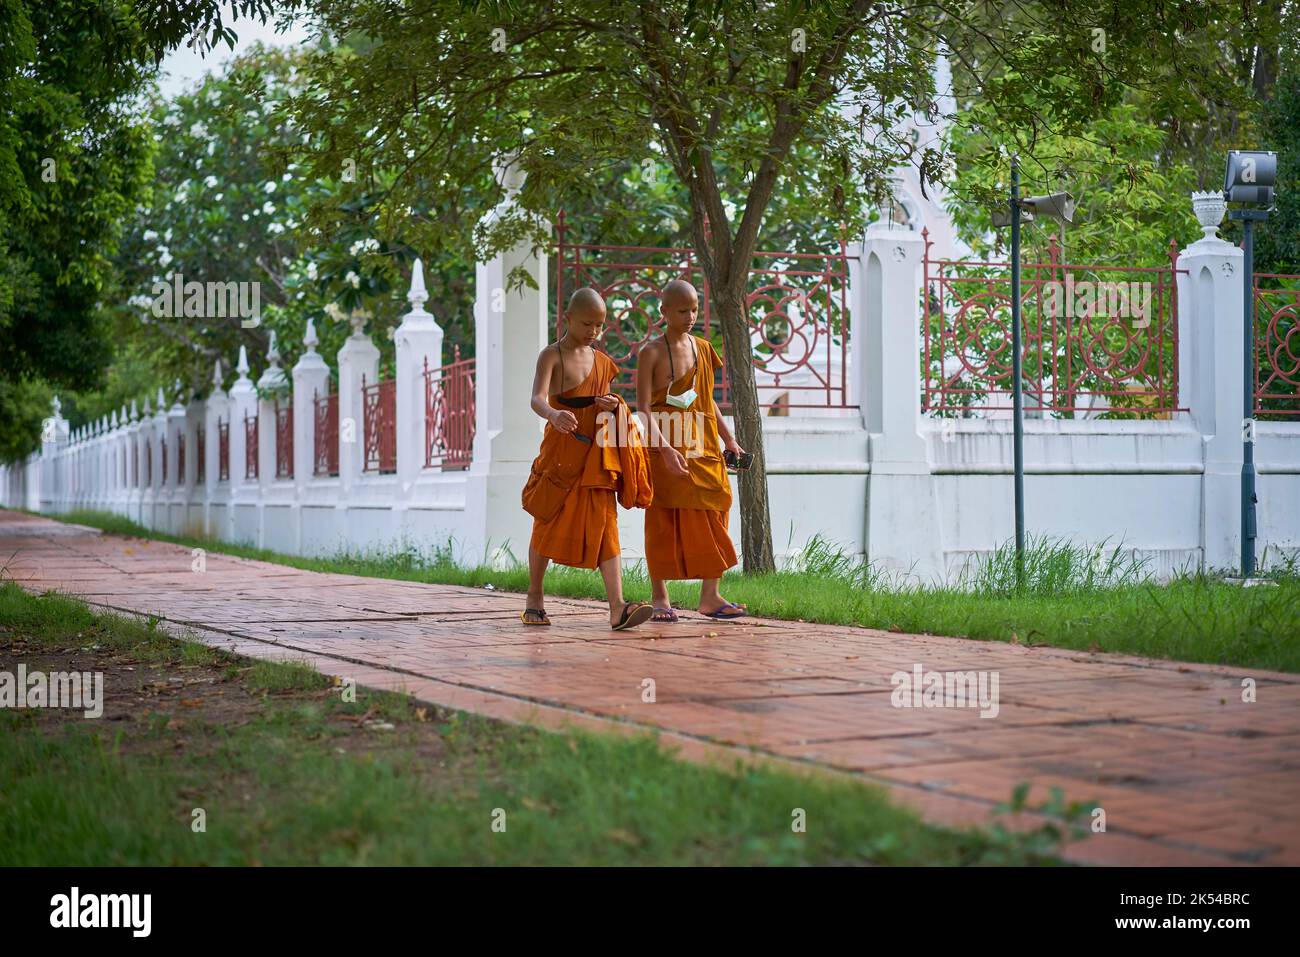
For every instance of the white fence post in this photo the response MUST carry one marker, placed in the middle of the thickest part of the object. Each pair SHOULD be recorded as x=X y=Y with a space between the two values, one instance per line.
x=419 y=341
x=1210 y=323
x=311 y=377
x=511 y=328
x=903 y=531
x=359 y=357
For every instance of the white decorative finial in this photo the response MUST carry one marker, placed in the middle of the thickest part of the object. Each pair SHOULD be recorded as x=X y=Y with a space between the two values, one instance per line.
x=58 y=406
x=216 y=374
x=242 y=366
x=510 y=176
x=162 y=399
x=273 y=352
x=1209 y=208
x=134 y=412
x=113 y=421
x=309 y=338
x=418 y=296
x=146 y=407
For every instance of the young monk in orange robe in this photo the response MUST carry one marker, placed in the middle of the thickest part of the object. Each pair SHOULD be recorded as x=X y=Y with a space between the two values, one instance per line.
x=686 y=524
x=571 y=492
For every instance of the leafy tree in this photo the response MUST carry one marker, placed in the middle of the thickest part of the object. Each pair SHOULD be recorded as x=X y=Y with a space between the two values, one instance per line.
x=728 y=92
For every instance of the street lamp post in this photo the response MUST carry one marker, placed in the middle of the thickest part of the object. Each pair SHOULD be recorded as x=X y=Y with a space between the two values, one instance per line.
x=1058 y=206
x=1249 y=179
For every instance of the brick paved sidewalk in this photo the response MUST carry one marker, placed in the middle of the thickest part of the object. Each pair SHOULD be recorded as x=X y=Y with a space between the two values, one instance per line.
x=1186 y=772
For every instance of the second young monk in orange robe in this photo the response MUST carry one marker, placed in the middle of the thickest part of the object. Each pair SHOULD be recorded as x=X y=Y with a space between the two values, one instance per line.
x=572 y=491
x=686 y=524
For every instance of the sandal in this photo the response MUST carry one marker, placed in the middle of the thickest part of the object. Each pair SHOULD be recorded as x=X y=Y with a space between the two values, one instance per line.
x=727 y=612
x=665 y=616
x=535 y=616
x=634 y=613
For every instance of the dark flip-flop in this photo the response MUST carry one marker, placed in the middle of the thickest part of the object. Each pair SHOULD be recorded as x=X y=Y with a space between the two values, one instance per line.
x=534 y=616
x=634 y=613
x=726 y=613
x=664 y=616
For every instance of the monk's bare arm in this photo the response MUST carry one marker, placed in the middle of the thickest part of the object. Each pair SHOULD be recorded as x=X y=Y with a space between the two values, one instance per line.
x=547 y=362
x=724 y=431
x=648 y=361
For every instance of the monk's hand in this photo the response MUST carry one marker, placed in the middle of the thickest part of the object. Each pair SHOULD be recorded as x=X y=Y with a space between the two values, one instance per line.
x=734 y=446
x=674 y=461
x=563 y=420
x=607 y=403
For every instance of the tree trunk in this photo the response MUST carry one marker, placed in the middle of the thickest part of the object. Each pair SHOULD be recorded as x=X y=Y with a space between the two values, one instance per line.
x=755 y=519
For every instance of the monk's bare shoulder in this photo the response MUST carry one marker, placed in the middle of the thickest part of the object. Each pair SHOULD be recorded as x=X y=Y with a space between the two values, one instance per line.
x=548 y=360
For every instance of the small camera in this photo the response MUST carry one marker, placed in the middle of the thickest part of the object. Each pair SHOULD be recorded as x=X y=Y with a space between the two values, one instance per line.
x=737 y=463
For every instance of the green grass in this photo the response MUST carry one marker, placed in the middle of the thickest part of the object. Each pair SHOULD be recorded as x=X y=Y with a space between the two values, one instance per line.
x=1087 y=599
x=289 y=781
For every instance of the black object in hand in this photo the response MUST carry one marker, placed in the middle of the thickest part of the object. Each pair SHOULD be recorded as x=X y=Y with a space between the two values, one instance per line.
x=736 y=462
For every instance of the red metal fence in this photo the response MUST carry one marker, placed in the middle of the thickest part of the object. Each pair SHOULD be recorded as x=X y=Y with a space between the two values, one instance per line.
x=162 y=445
x=1277 y=345
x=379 y=403
x=200 y=455
x=449 y=414
x=180 y=458
x=148 y=463
x=326 y=433
x=1100 y=339
x=223 y=451
x=797 y=307
x=283 y=441
x=250 y=446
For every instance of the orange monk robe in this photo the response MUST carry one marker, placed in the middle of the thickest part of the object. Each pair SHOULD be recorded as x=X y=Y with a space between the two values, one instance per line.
x=574 y=488
x=686 y=524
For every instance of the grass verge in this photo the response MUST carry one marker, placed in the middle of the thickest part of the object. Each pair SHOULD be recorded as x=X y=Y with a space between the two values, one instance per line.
x=201 y=757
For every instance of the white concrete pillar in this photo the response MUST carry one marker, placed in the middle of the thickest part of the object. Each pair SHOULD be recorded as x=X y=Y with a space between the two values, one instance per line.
x=419 y=346
x=511 y=328
x=55 y=435
x=1210 y=327
x=243 y=405
x=903 y=531
x=311 y=378
x=359 y=357
x=272 y=382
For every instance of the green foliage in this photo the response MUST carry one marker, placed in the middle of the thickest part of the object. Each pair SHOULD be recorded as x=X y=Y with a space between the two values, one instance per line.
x=72 y=160
x=1277 y=241
x=1131 y=204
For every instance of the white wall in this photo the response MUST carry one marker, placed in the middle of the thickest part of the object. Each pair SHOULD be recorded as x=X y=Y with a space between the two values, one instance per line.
x=884 y=481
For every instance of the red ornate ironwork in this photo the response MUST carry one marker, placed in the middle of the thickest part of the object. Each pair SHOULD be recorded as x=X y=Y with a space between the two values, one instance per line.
x=200 y=455
x=180 y=458
x=223 y=451
x=449 y=414
x=326 y=434
x=283 y=441
x=796 y=304
x=1277 y=345
x=1092 y=341
x=379 y=402
x=250 y=446
x=162 y=445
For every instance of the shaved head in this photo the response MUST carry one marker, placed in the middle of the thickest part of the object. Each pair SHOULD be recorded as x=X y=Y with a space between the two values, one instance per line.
x=678 y=290
x=586 y=300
